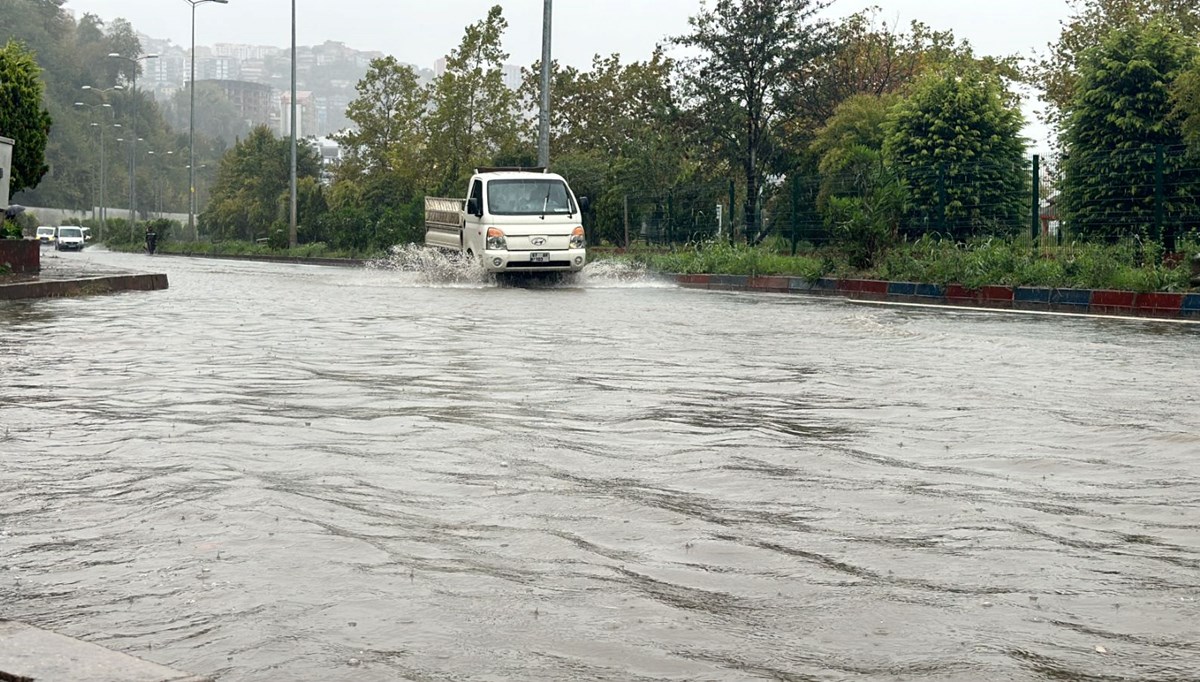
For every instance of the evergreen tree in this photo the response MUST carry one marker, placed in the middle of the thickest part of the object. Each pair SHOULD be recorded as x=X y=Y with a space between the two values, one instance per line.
x=956 y=145
x=1119 y=128
x=23 y=117
x=473 y=118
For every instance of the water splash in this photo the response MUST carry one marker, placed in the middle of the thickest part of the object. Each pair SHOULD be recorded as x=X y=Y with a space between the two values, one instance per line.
x=430 y=266
x=437 y=267
x=610 y=274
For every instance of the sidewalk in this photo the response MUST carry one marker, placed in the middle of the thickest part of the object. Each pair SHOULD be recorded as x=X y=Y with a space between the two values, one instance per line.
x=65 y=276
x=29 y=653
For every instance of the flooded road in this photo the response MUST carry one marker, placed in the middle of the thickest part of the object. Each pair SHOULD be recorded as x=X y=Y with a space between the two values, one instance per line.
x=273 y=472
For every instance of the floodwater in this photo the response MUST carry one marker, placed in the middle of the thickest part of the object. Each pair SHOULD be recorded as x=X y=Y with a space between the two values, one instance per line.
x=275 y=472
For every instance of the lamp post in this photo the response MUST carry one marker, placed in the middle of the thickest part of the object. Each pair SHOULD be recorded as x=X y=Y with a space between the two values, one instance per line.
x=136 y=61
x=103 y=180
x=292 y=175
x=133 y=151
x=201 y=167
x=100 y=133
x=161 y=166
x=544 y=113
x=192 y=124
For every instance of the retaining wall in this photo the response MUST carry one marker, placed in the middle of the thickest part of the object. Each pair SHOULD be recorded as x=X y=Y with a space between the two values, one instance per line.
x=1163 y=305
x=22 y=255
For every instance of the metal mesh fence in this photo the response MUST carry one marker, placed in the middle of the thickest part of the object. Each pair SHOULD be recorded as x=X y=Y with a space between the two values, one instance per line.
x=1150 y=194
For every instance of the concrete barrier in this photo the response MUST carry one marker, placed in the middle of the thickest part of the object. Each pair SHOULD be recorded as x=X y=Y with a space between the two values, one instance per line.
x=84 y=286
x=1159 y=305
x=29 y=654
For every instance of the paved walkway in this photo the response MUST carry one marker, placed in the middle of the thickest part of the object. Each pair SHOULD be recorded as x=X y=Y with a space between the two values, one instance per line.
x=28 y=653
x=62 y=275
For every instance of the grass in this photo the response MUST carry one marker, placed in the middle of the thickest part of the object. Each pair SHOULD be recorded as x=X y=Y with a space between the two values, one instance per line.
x=992 y=261
x=242 y=248
x=1007 y=262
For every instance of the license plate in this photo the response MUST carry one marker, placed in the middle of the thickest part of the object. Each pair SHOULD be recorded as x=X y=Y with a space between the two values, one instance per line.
x=539 y=257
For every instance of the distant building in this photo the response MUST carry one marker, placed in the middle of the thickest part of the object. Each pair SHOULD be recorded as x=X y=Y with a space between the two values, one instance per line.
x=253 y=101
x=244 y=53
x=331 y=153
x=509 y=73
x=306 y=109
x=512 y=77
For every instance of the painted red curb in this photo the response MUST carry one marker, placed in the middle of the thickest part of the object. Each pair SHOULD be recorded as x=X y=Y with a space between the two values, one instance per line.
x=1161 y=305
x=863 y=286
x=997 y=294
x=1159 y=302
x=1113 y=298
x=957 y=291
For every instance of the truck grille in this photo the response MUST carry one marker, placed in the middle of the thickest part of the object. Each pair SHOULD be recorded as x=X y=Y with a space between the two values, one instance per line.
x=551 y=264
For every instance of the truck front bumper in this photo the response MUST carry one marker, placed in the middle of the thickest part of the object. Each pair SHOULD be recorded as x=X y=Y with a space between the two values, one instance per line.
x=570 y=260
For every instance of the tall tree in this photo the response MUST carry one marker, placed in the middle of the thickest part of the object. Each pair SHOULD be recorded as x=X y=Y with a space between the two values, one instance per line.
x=614 y=131
x=870 y=57
x=857 y=126
x=1120 y=118
x=473 y=117
x=23 y=117
x=736 y=84
x=957 y=146
x=1186 y=93
x=388 y=136
x=246 y=198
x=1058 y=72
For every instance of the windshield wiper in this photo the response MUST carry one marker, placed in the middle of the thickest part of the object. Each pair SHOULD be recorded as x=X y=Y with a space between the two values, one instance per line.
x=546 y=203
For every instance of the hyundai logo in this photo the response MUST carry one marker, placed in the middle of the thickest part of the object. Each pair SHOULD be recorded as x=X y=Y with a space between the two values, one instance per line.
x=538 y=241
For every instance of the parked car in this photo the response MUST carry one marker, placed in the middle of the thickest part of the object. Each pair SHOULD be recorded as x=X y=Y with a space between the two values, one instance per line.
x=45 y=234
x=87 y=234
x=69 y=237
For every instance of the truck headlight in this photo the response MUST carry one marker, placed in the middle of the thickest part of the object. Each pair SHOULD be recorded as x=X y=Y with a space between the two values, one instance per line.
x=496 y=241
x=577 y=238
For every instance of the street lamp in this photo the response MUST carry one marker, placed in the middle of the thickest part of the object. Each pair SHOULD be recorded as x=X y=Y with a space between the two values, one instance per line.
x=136 y=61
x=192 y=124
x=100 y=132
x=161 y=164
x=292 y=170
x=201 y=168
x=103 y=180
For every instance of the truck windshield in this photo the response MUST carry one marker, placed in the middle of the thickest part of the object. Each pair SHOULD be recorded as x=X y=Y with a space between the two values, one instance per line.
x=70 y=232
x=529 y=197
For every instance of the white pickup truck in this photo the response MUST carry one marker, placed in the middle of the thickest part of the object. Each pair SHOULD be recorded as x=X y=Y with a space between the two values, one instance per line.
x=513 y=220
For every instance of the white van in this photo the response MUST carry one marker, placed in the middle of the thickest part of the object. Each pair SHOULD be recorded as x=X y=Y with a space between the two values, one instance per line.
x=68 y=238
x=513 y=220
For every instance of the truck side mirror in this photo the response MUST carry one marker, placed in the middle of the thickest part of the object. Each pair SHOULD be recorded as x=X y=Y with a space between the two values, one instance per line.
x=474 y=208
x=584 y=204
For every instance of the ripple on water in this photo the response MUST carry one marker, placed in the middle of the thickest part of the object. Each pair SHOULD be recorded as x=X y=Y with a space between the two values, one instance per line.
x=268 y=471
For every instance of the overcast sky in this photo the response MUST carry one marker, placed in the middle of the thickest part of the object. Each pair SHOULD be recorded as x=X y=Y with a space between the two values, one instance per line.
x=420 y=32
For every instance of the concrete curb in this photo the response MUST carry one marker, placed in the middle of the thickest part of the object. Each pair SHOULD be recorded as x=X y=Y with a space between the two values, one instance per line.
x=29 y=653
x=1154 y=305
x=83 y=286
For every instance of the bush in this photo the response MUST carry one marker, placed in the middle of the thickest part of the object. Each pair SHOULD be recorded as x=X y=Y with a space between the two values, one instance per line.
x=1129 y=265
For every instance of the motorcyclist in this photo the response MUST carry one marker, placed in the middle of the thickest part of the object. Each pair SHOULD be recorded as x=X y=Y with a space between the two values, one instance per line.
x=151 y=239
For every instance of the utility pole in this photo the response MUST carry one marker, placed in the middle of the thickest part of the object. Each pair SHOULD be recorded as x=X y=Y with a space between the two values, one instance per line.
x=192 y=235
x=544 y=118
x=292 y=219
